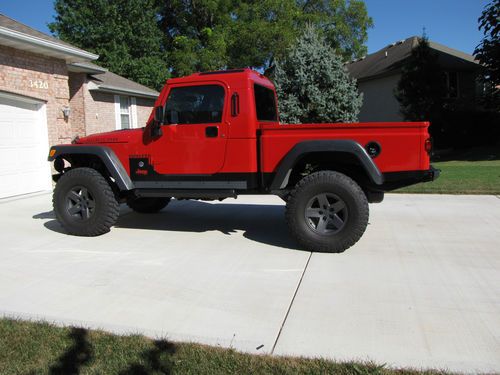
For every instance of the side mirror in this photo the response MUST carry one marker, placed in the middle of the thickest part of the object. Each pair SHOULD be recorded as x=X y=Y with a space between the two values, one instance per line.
x=158 y=120
x=156 y=130
x=159 y=114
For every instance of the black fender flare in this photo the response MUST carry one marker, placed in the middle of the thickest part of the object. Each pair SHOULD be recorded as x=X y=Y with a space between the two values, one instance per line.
x=105 y=154
x=301 y=149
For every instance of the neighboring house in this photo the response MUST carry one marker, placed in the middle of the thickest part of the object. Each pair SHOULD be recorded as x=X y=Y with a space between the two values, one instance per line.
x=50 y=92
x=379 y=73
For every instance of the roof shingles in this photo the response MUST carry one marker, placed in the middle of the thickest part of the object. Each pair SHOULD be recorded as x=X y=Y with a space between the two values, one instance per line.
x=14 y=25
x=391 y=58
x=110 y=81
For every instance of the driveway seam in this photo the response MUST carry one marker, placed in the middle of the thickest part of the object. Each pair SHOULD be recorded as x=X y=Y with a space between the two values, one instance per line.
x=24 y=196
x=291 y=303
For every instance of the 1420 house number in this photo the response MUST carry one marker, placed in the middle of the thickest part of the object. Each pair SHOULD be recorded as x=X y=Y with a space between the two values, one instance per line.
x=39 y=84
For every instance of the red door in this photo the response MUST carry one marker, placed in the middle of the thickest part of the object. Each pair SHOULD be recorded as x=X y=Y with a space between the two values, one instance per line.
x=194 y=131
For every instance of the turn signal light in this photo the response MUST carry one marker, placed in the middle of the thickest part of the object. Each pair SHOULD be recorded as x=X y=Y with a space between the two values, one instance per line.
x=52 y=152
x=428 y=145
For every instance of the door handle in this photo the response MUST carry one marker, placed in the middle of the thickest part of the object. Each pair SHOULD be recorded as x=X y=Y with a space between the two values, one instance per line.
x=211 y=131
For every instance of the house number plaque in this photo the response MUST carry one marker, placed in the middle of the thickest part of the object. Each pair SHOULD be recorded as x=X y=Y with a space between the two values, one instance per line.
x=39 y=84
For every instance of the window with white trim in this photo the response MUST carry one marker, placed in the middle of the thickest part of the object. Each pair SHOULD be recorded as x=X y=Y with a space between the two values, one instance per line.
x=125 y=122
x=125 y=112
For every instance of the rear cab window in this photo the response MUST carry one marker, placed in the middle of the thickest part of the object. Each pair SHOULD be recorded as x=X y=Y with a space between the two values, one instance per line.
x=265 y=103
x=194 y=105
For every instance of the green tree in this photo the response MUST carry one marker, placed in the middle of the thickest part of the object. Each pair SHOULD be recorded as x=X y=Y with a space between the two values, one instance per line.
x=344 y=23
x=313 y=85
x=488 y=53
x=421 y=88
x=196 y=34
x=215 y=34
x=125 y=35
x=132 y=36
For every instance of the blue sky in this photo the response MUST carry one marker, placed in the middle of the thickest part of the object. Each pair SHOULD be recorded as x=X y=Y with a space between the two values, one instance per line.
x=449 y=22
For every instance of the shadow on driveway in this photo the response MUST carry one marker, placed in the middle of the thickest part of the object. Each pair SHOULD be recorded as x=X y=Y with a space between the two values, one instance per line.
x=259 y=222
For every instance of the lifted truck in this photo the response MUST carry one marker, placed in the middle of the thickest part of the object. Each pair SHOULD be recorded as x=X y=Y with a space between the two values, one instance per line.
x=216 y=135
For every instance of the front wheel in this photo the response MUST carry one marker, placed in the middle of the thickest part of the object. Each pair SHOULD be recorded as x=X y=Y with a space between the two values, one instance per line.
x=327 y=212
x=84 y=202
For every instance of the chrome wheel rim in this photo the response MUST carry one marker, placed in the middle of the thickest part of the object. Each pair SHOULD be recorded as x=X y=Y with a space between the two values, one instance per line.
x=326 y=214
x=80 y=204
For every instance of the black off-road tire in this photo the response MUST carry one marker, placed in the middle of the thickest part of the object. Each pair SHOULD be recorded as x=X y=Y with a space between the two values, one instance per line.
x=84 y=203
x=345 y=228
x=148 y=205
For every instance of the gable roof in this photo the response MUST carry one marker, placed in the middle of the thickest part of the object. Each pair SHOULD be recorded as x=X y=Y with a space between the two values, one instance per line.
x=390 y=58
x=18 y=35
x=115 y=84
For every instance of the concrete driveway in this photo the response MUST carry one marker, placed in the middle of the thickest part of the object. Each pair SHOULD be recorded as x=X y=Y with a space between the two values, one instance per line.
x=421 y=288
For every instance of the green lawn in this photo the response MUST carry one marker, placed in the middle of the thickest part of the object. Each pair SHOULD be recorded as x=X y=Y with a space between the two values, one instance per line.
x=41 y=348
x=471 y=172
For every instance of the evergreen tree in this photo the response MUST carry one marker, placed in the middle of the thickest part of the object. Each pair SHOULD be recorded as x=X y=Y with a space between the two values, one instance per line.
x=488 y=53
x=125 y=35
x=312 y=84
x=421 y=88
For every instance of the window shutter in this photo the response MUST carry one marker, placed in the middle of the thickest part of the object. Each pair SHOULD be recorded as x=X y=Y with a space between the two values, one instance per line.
x=117 y=113
x=133 y=110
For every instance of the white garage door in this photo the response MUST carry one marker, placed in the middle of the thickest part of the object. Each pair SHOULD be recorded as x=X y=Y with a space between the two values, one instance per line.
x=23 y=147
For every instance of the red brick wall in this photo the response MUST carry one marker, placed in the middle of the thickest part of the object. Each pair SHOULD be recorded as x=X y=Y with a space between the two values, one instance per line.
x=91 y=111
x=21 y=72
x=99 y=111
x=144 y=108
x=77 y=104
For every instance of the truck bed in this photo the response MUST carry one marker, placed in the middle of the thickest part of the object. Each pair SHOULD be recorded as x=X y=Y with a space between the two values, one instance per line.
x=402 y=143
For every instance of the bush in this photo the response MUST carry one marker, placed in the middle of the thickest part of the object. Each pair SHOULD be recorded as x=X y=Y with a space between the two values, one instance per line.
x=464 y=129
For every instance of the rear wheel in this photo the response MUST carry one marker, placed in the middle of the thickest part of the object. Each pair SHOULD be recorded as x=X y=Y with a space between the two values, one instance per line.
x=327 y=212
x=84 y=202
x=148 y=205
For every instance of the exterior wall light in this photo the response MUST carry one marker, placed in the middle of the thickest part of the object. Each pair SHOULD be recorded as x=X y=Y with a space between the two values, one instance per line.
x=66 y=112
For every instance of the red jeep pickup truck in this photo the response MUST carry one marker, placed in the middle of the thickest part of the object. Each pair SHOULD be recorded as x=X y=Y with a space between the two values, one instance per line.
x=216 y=135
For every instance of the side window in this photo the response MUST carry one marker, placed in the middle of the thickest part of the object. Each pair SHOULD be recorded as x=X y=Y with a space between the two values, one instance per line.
x=451 y=82
x=125 y=112
x=194 y=105
x=265 y=104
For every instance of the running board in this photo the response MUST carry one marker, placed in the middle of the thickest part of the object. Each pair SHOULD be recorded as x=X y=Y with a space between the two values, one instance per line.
x=196 y=194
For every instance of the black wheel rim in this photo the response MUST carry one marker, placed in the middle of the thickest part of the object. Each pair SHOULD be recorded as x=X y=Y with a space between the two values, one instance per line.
x=326 y=214
x=80 y=203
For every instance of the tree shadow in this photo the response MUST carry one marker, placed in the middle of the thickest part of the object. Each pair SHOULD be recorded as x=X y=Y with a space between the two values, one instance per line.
x=258 y=222
x=154 y=361
x=77 y=356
